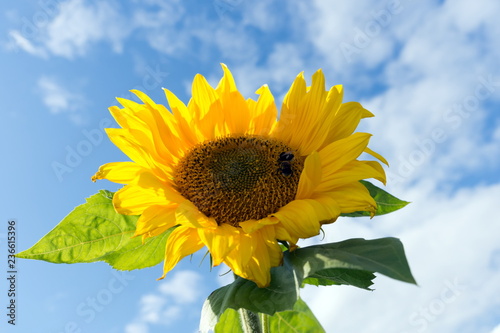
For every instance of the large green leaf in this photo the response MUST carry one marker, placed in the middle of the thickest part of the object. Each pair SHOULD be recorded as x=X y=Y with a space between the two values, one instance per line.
x=338 y=276
x=385 y=256
x=229 y=322
x=95 y=232
x=280 y=295
x=299 y=320
x=386 y=202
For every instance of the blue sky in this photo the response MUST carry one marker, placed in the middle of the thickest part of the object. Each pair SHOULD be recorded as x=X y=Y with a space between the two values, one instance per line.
x=428 y=70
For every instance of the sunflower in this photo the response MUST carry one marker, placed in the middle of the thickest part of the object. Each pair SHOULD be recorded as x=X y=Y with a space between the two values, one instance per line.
x=231 y=176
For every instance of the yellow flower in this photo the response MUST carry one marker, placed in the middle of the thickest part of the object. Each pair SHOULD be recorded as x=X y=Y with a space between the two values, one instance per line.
x=234 y=178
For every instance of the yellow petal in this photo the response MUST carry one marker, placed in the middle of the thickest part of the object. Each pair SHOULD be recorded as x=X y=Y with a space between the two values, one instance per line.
x=299 y=217
x=346 y=120
x=307 y=118
x=182 y=242
x=148 y=191
x=352 y=172
x=283 y=234
x=263 y=111
x=328 y=115
x=184 y=120
x=226 y=84
x=254 y=256
x=376 y=155
x=150 y=125
x=237 y=114
x=187 y=214
x=353 y=197
x=207 y=107
x=119 y=172
x=220 y=241
x=203 y=95
x=130 y=147
x=163 y=128
x=301 y=114
x=155 y=220
x=241 y=254
x=310 y=177
x=289 y=122
x=254 y=225
x=339 y=153
x=134 y=200
x=328 y=209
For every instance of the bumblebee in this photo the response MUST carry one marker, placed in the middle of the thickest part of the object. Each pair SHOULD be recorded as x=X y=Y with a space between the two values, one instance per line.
x=285 y=165
x=286 y=156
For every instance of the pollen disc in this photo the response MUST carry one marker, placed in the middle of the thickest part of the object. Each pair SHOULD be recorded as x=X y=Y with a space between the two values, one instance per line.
x=235 y=179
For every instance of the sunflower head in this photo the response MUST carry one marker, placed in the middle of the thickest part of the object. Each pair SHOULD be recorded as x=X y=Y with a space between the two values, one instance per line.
x=232 y=177
x=238 y=178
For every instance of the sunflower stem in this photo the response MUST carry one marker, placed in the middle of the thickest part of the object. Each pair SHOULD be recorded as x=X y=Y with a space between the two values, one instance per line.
x=264 y=320
x=250 y=322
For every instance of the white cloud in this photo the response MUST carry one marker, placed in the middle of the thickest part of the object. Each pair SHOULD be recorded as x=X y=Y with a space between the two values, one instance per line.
x=262 y=14
x=449 y=242
x=180 y=287
x=151 y=308
x=55 y=97
x=59 y=99
x=78 y=25
x=172 y=302
x=136 y=328
x=69 y=29
x=345 y=34
x=19 y=41
x=432 y=62
x=283 y=63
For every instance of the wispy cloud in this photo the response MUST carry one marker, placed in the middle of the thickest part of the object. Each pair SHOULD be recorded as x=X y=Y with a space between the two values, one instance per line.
x=450 y=255
x=79 y=24
x=174 y=297
x=70 y=29
x=59 y=99
x=18 y=41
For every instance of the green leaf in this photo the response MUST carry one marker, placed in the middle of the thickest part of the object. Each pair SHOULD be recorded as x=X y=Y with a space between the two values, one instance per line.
x=386 y=202
x=136 y=255
x=280 y=295
x=95 y=232
x=298 y=320
x=339 y=276
x=229 y=322
x=349 y=262
x=384 y=255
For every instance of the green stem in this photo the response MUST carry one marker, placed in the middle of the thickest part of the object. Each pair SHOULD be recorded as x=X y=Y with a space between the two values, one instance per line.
x=250 y=322
x=264 y=320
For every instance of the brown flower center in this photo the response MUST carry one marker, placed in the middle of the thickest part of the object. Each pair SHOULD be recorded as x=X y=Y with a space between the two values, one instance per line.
x=234 y=179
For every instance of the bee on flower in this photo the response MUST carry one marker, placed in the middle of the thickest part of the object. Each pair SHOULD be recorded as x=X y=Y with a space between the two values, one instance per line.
x=231 y=176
